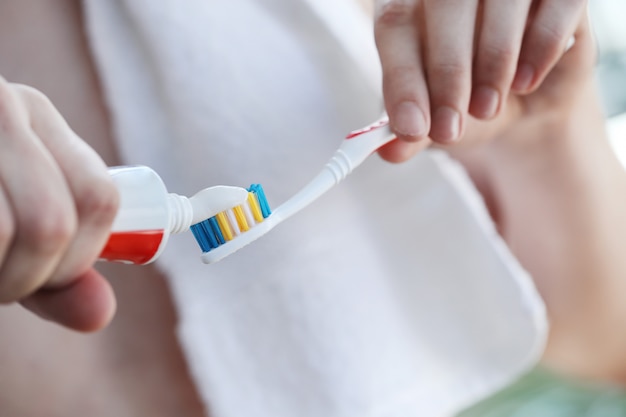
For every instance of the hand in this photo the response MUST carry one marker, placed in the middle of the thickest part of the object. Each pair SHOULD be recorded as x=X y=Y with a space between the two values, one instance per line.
x=57 y=203
x=557 y=194
x=443 y=60
x=567 y=90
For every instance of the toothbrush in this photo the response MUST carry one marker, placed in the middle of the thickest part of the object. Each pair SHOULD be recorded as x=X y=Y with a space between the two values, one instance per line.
x=148 y=213
x=355 y=148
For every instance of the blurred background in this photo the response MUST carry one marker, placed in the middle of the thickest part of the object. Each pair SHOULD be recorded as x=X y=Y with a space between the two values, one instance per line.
x=609 y=22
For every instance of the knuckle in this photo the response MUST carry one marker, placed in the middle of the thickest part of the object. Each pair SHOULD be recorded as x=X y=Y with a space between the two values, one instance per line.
x=449 y=84
x=499 y=54
x=34 y=97
x=496 y=61
x=394 y=13
x=450 y=72
x=399 y=74
x=47 y=233
x=402 y=82
x=549 y=39
x=98 y=201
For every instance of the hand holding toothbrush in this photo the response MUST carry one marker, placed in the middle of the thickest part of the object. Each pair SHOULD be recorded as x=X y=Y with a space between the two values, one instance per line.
x=446 y=60
x=557 y=195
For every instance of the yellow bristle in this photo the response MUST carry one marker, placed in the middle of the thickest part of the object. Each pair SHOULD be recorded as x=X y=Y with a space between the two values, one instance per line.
x=241 y=219
x=255 y=208
x=222 y=221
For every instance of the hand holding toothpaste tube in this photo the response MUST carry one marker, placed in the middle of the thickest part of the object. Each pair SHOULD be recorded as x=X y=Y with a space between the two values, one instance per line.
x=57 y=203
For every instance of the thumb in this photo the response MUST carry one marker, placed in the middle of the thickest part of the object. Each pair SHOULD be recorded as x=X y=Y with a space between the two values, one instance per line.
x=86 y=305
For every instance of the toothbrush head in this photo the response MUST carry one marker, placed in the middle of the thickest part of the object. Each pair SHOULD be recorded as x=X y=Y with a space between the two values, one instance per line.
x=234 y=228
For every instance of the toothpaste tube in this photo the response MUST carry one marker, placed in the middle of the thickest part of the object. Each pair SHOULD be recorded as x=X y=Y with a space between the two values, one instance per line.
x=148 y=214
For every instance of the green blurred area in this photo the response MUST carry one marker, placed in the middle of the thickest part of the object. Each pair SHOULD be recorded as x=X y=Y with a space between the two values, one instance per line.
x=544 y=394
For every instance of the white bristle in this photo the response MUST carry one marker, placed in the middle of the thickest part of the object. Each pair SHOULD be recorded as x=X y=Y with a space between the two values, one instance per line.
x=234 y=226
x=248 y=213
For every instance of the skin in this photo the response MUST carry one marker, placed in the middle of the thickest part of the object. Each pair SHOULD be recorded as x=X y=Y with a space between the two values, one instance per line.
x=47 y=367
x=434 y=77
x=542 y=163
x=558 y=194
x=559 y=159
x=55 y=252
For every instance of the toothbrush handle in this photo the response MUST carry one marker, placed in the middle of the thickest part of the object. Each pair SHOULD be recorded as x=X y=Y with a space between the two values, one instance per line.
x=352 y=152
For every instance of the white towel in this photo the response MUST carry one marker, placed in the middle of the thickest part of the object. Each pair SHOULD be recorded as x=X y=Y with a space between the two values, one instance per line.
x=616 y=128
x=392 y=295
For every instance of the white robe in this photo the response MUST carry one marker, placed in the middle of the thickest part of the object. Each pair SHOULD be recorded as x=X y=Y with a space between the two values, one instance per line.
x=392 y=295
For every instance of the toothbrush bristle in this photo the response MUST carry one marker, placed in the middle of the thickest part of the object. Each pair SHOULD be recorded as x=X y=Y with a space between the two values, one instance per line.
x=227 y=225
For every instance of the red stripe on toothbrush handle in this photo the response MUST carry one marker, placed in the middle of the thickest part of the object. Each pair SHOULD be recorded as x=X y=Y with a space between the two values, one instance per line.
x=376 y=125
x=137 y=247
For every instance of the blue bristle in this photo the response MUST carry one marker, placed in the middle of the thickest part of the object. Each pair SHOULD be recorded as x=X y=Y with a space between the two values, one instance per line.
x=204 y=236
x=208 y=233
x=201 y=237
x=206 y=227
x=257 y=189
x=215 y=227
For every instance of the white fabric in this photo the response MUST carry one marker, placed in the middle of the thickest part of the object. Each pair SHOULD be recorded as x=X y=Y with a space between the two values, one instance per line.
x=617 y=135
x=390 y=296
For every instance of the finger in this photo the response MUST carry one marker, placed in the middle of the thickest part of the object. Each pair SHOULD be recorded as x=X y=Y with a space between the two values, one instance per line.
x=404 y=85
x=450 y=33
x=479 y=131
x=85 y=305
x=400 y=151
x=40 y=202
x=499 y=44
x=580 y=57
x=545 y=41
x=576 y=64
x=94 y=193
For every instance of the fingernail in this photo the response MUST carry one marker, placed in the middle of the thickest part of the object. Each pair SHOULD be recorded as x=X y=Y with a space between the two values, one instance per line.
x=485 y=102
x=409 y=120
x=446 y=125
x=524 y=77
